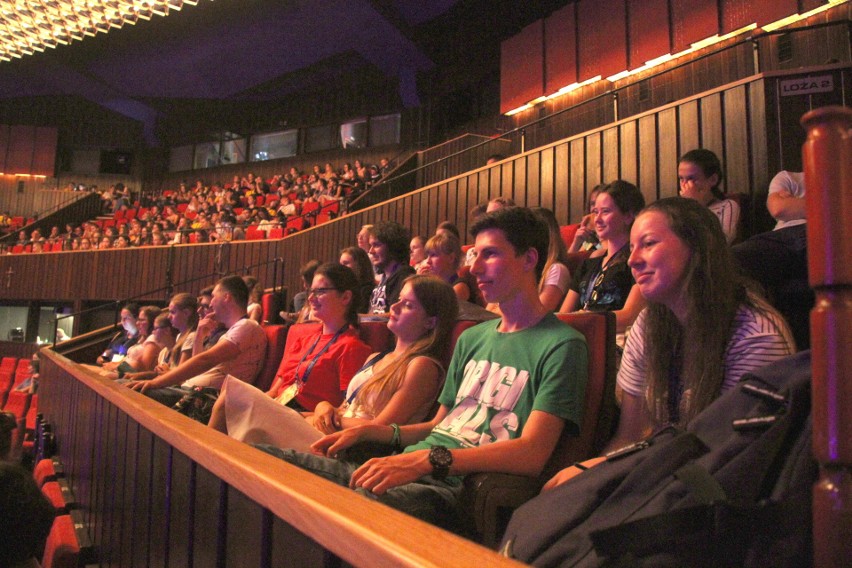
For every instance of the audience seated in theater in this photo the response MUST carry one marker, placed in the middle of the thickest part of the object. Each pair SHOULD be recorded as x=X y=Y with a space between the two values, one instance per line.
x=556 y=277
x=254 y=310
x=26 y=516
x=398 y=387
x=443 y=258
x=499 y=202
x=117 y=348
x=389 y=255
x=299 y=304
x=488 y=421
x=143 y=355
x=417 y=254
x=363 y=237
x=604 y=282
x=699 y=173
x=586 y=238
x=208 y=334
x=320 y=366
x=777 y=260
x=701 y=331
x=183 y=316
x=239 y=352
x=359 y=262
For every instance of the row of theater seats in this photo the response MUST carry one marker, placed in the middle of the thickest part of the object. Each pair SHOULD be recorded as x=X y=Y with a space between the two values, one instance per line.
x=23 y=405
x=68 y=544
x=490 y=498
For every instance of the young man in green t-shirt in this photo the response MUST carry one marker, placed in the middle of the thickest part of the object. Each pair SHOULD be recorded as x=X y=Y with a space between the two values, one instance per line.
x=512 y=386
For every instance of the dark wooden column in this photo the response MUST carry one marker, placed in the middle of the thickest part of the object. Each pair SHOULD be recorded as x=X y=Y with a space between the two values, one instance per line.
x=828 y=176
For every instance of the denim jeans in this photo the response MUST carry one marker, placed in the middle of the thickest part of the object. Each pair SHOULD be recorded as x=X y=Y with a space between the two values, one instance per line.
x=430 y=500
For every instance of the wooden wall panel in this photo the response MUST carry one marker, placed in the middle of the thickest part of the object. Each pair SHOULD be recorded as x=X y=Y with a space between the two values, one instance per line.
x=577 y=161
x=560 y=48
x=519 y=190
x=245 y=531
x=689 y=127
x=667 y=152
x=533 y=184
x=182 y=506
x=207 y=542
x=737 y=163
x=712 y=133
x=610 y=150
x=562 y=203
x=19 y=156
x=507 y=175
x=649 y=31
x=629 y=158
x=522 y=67
x=692 y=20
x=546 y=181
x=602 y=45
x=648 y=180
x=594 y=171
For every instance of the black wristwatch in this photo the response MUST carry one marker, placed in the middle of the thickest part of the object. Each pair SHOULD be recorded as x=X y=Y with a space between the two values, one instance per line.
x=441 y=459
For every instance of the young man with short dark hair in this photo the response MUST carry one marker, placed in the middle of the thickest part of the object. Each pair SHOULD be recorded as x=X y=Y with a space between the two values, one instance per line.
x=512 y=387
x=389 y=254
x=239 y=352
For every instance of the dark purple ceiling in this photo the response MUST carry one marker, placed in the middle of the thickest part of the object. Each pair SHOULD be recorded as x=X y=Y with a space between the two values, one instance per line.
x=226 y=49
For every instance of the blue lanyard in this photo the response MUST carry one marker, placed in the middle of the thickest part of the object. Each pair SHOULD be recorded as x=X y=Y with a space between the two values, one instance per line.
x=368 y=364
x=304 y=378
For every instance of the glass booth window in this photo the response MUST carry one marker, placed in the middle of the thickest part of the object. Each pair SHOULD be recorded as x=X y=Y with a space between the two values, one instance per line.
x=384 y=130
x=353 y=134
x=274 y=145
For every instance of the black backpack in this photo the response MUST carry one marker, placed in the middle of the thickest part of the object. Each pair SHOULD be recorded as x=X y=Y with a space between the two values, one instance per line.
x=732 y=490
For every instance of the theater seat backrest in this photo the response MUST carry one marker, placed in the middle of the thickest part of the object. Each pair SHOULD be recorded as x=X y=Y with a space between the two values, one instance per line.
x=458 y=328
x=276 y=336
x=376 y=334
x=290 y=356
x=567 y=232
x=62 y=549
x=599 y=406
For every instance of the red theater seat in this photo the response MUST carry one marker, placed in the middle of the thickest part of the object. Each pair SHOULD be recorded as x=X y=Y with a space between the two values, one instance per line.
x=62 y=549
x=276 y=338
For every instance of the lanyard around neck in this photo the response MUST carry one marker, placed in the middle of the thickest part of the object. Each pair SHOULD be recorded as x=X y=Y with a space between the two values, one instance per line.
x=304 y=378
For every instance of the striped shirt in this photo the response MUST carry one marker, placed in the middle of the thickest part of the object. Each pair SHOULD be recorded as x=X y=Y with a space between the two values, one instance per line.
x=728 y=212
x=758 y=340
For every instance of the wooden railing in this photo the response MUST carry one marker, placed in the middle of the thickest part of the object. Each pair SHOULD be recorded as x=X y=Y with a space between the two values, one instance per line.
x=746 y=123
x=159 y=489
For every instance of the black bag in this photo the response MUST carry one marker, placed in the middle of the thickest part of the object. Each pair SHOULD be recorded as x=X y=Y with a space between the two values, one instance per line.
x=733 y=490
x=198 y=403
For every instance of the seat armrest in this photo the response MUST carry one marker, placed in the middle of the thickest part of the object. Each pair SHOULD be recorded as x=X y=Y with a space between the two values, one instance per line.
x=489 y=498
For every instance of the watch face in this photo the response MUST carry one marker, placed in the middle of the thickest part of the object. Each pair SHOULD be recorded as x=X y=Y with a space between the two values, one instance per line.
x=440 y=457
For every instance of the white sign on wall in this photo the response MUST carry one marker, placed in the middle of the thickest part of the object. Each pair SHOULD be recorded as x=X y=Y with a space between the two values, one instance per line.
x=807 y=85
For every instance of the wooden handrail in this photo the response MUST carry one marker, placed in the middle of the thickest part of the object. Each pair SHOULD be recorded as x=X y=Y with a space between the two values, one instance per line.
x=362 y=532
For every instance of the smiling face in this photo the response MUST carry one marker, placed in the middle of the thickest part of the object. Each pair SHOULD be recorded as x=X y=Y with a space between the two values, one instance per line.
x=326 y=302
x=379 y=254
x=694 y=184
x=408 y=319
x=659 y=260
x=610 y=222
x=499 y=270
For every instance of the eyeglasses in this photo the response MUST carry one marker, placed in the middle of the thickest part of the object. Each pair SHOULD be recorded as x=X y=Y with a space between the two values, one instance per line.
x=320 y=291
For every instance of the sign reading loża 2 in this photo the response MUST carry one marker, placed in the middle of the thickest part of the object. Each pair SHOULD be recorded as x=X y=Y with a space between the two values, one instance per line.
x=807 y=85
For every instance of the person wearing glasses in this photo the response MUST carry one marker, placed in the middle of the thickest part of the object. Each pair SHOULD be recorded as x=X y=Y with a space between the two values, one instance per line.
x=239 y=352
x=603 y=282
x=397 y=386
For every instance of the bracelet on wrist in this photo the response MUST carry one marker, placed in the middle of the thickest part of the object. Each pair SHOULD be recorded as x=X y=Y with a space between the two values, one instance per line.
x=395 y=439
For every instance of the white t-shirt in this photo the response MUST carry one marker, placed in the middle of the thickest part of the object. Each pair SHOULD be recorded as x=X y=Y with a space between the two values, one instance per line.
x=250 y=338
x=792 y=182
x=558 y=275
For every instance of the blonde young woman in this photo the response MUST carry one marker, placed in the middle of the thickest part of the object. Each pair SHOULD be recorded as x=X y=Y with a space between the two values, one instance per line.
x=397 y=387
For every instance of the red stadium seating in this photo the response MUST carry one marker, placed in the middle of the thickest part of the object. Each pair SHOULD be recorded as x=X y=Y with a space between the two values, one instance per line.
x=62 y=549
x=276 y=338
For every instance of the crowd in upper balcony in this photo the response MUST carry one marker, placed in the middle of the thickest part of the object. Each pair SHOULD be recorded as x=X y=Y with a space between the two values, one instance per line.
x=247 y=206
